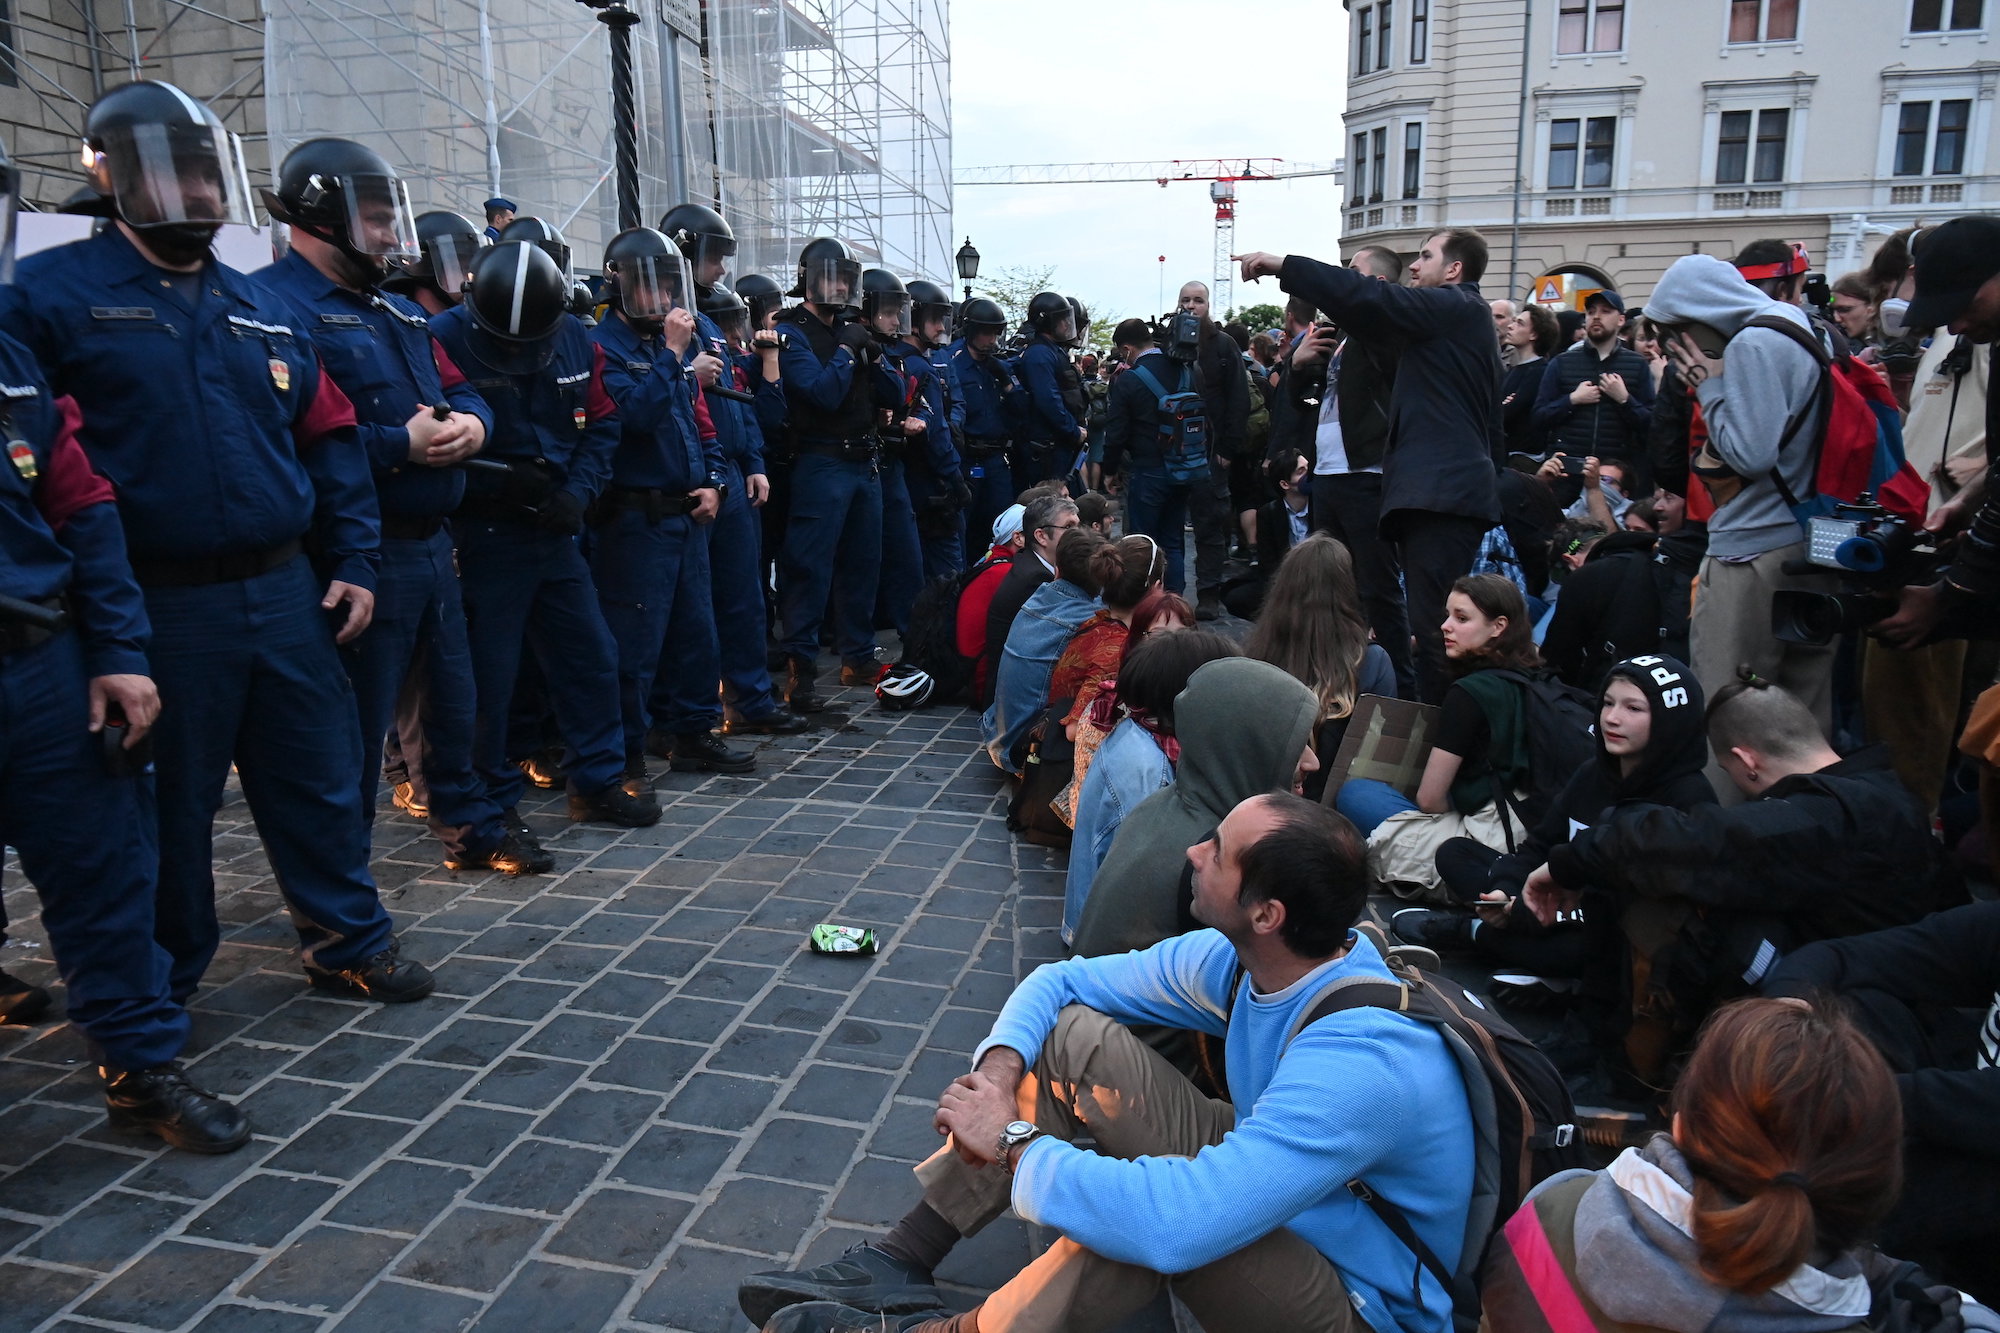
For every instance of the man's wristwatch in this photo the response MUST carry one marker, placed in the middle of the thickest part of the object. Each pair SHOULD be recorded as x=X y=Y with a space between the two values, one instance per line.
x=1016 y=1133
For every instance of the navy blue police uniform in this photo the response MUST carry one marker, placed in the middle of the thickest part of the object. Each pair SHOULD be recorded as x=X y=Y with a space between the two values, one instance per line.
x=933 y=473
x=985 y=382
x=649 y=557
x=1054 y=412
x=527 y=584
x=902 y=574
x=378 y=348
x=64 y=550
x=232 y=454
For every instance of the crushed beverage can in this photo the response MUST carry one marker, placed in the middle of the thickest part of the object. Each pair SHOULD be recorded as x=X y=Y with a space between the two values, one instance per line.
x=827 y=937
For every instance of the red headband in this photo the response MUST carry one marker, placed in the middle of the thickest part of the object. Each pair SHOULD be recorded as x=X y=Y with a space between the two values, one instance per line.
x=1784 y=268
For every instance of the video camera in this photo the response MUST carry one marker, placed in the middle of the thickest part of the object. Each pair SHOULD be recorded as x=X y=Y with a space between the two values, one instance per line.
x=1874 y=552
x=1178 y=335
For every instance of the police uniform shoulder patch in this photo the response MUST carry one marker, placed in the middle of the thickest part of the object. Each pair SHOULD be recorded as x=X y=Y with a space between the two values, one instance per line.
x=121 y=312
x=350 y=321
x=582 y=418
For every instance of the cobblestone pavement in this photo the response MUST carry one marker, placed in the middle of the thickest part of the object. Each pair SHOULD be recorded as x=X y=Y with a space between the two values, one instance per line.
x=634 y=1086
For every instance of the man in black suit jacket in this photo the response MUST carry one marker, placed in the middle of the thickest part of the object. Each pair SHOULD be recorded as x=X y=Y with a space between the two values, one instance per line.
x=1042 y=526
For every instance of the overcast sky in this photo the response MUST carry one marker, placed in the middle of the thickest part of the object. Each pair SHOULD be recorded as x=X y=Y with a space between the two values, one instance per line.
x=1059 y=81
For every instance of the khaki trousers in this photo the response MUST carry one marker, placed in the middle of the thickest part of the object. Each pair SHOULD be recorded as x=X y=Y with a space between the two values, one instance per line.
x=1909 y=702
x=1095 y=1078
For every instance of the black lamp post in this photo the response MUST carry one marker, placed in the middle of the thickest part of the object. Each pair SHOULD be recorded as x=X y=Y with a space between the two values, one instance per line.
x=967 y=259
x=624 y=118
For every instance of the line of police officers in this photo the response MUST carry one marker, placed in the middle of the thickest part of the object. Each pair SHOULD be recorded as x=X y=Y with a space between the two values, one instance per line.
x=393 y=486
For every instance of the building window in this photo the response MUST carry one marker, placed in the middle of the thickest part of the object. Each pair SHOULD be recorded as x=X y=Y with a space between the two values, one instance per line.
x=1917 y=145
x=1364 y=43
x=1734 y=163
x=1358 y=169
x=1600 y=141
x=1947 y=15
x=1420 y=31
x=1413 y=159
x=1590 y=26
x=1383 y=47
x=1379 y=176
x=1763 y=20
x=1774 y=126
x=1562 y=153
x=1594 y=141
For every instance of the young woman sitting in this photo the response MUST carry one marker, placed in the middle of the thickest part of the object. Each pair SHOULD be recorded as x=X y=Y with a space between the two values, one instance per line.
x=1311 y=626
x=1124 y=571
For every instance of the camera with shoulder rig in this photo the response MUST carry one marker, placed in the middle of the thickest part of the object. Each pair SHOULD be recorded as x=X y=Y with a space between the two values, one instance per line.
x=1874 y=552
x=1178 y=335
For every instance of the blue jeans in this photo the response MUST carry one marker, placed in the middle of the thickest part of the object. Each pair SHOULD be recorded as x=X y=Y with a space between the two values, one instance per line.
x=1367 y=803
x=833 y=543
x=1159 y=509
x=652 y=582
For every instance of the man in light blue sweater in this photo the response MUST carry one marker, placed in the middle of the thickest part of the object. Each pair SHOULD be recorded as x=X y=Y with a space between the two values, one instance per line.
x=1243 y=1208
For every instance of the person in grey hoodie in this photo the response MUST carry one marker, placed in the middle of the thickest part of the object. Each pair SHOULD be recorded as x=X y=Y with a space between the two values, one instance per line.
x=1760 y=401
x=1752 y=1215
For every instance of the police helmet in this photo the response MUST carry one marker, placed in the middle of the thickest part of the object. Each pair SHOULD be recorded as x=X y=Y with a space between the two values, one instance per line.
x=1081 y=326
x=730 y=311
x=518 y=294
x=982 y=316
x=885 y=303
x=543 y=234
x=164 y=159
x=905 y=687
x=703 y=236
x=10 y=190
x=829 y=274
x=646 y=275
x=762 y=295
x=928 y=301
x=447 y=245
x=1046 y=313
x=347 y=195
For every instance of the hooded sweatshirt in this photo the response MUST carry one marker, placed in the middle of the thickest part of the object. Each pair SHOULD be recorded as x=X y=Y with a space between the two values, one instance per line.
x=1767 y=381
x=1614 y=1249
x=1242 y=725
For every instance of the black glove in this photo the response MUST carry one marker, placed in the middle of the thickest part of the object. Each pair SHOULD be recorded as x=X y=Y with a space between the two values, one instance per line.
x=561 y=513
x=960 y=494
x=857 y=339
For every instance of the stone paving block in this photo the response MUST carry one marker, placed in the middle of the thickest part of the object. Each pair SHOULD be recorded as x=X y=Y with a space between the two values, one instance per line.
x=546 y=1296
x=606 y=1117
x=727 y=981
x=409 y=1091
x=393 y=1305
x=648 y=1064
x=697 y=1291
x=665 y=958
x=29 y=1129
x=770 y=1052
x=323 y=1269
x=623 y=994
x=761 y=1215
x=720 y=1101
x=348 y=1057
x=801 y=1150
x=33 y=1294
x=167 y=1287
x=525 y=1000
x=838 y=1093
x=530 y=1082
x=471 y=1041
x=858 y=1041
x=538 y=1176
x=908 y=1133
x=623 y=1228
x=899 y=1002
x=699 y=924
x=400 y=1196
x=606 y=928
x=475 y=1249
x=194 y=1177
x=470 y=1135
x=261 y=1211
x=107 y=1231
x=689 y=1019
x=340 y=1146
x=669 y=1157
x=255 y=1319
x=877 y=1193
x=64 y=1177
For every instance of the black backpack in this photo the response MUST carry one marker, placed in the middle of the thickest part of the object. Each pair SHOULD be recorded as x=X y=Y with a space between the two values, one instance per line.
x=1558 y=718
x=932 y=644
x=1523 y=1121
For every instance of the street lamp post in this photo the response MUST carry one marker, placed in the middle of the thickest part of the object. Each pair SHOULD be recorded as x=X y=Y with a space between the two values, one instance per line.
x=967 y=260
x=624 y=117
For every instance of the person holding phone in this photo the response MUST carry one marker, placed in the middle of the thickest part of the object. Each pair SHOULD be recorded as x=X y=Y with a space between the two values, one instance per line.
x=1597 y=397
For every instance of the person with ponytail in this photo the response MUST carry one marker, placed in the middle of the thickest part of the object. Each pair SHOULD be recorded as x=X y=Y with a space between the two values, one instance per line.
x=1785 y=1155
x=1124 y=572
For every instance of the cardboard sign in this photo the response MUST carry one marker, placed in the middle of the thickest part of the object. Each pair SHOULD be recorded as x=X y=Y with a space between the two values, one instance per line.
x=1388 y=740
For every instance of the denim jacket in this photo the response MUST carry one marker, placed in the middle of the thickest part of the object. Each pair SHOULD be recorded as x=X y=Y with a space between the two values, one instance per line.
x=1129 y=767
x=1041 y=631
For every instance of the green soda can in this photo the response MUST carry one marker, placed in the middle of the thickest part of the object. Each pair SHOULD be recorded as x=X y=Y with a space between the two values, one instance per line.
x=829 y=938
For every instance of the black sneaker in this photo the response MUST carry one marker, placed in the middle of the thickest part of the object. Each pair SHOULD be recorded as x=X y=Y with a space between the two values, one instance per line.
x=1432 y=928
x=614 y=805
x=544 y=769
x=387 y=977
x=705 y=752
x=777 y=722
x=833 y=1317
x=864 y=1279
x=21 y=1003
x=162 y=1101
x=510 y=856
x=405 y=797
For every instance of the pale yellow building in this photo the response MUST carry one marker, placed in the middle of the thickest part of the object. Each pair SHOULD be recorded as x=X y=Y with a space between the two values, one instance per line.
x=1606 y=138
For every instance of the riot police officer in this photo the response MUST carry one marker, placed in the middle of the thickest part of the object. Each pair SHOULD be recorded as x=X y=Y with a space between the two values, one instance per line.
x=436 y=276
x=742 y=622
x=418 y=419
x=834 y=384
x=204 y=403
x=931 y=468
x=986 y=379
x=523 y=572
x=766 y=297
x=1055 y=406
x=649 y=546
x=74 y=676
x=885 y=309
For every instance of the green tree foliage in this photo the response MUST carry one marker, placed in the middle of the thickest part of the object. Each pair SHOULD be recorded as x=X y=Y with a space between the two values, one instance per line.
x=1258 y=317
x=1012 y=288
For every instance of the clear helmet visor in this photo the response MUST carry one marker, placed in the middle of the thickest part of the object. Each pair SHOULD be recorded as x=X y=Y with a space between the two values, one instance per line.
x=651 y=285
x=889 y=314
x=833 y=282
x=379 y=218
x=708 y=258
x=9 y=193
x=735 y=325
x=450 y=259
x=167 y=175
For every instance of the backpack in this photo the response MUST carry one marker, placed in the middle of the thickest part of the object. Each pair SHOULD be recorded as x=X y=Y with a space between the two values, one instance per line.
x=1183 y=428
x=1257 y=427
x=932 y=644
x=1858 y=447
x=1524 y=1126
x=1558 y=718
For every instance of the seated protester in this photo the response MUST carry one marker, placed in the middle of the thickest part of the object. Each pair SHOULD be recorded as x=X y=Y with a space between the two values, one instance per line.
x=1599 y=489
x=1244 y=728
x=1123 y=572
x=1137 y=757
x=1928 y=995
x=1750 y=1215
x=1710 y=897
x=1617 y=604
x=1044 y=519
x=1312 y=628
x=1093 y=511
x=1039 y=634
x=1281 y=524
x=976 y=599
x=1650 y=747
x=1244 y=1212
x=1158 y=612
x=1481 y=751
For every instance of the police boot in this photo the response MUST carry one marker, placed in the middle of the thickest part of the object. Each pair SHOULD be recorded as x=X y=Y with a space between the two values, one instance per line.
x=162 y=1101
x=868 y=676
x=512 y=855
x=20 y=1002
x=800 y=696
x=406 y=800
x=544 y=768
x=387 y=977
x=635 y=782
x=777 y=722
x=614 y=805
x=704 y=752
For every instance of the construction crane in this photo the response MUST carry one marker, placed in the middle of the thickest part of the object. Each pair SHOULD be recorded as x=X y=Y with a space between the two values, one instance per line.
x=1222 y=175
